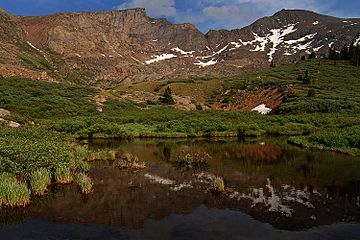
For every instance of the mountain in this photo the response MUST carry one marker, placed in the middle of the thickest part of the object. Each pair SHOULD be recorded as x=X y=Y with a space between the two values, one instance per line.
x=128 y=46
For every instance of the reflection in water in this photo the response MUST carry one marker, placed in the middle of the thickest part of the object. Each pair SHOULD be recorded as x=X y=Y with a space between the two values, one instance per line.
x=202 y=223
x=273 y=183
x=274 y=202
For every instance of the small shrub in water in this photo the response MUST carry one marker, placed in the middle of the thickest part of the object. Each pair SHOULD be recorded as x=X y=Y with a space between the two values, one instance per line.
x=193 y=160
x=13 y=193
x=63 y=175
x=218 y=185
x=84 y=183
x=129 y=161
x=39 y=181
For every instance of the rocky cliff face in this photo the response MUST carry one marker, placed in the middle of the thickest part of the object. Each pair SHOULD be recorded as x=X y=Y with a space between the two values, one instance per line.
x=128 y=46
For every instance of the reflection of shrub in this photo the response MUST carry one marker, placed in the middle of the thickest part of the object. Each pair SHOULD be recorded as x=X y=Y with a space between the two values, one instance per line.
x=84 y=183
x=40 y=180
x=218 y=185
x=192 y=160
x=13 y=193
x=129 y=161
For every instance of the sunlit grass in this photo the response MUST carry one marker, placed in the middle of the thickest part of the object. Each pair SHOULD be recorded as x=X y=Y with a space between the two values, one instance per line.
x=129 y=161
x=84 y=182
x=12 y=192
x=63 y=175
x=218 y=185
x=192 y=160
x=39 y=181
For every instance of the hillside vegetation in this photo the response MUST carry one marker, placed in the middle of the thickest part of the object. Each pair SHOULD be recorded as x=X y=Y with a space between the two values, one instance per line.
x=321 y=108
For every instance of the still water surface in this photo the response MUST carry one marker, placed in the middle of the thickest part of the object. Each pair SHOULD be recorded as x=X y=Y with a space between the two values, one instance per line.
x=273 y=191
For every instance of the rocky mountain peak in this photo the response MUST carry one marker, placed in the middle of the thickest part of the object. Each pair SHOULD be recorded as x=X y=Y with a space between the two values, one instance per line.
x=130 y=46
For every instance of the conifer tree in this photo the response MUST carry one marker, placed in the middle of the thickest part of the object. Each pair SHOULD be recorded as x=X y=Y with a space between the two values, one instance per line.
x=167 y=97
x=344 y=52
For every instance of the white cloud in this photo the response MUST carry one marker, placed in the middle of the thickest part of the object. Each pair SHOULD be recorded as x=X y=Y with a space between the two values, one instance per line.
x=217 y=14
x=155 y=8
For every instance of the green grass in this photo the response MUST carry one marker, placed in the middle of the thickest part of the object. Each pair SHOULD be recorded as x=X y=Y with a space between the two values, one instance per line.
x=192 y=160
x=37 y=99
x=129 y=161
x=23 y=151
x=337 y=87
x=13 y=193
x=84 y=182
x=218 y=185
x=63 y=175
x=335 y=106
x=39 y=181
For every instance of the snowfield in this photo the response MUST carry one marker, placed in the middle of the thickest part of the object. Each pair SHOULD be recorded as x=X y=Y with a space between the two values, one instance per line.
x=162 y=57
x=262 y=109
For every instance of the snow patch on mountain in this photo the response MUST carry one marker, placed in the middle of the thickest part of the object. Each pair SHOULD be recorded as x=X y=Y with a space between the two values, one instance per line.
x=206 y=64
x=214 y=53
x=302 y=39
x=182 y=51
x=277 y=38
x=262 y=41
x=157 y=58
x=31 y=45
x=318 y=48
x=262 y=109
x=315 y=23
x=357 y=41
x=300 y=44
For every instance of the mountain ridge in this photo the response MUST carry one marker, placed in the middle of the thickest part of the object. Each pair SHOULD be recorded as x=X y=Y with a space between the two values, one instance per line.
x=129 y=46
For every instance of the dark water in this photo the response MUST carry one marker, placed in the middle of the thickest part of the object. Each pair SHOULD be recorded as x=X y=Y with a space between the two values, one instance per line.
x=273 y=191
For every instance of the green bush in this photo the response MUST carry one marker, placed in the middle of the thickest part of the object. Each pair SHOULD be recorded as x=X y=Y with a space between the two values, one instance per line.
x=129 y=161
x=192 y=160
x=84 y=182
x=12 y=192
x=63 y=175
x=218 y=185
x=39 y=181
x=23 y=151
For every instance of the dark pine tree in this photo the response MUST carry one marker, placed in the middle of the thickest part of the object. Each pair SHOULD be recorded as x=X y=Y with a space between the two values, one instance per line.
x=312 y=55
x=354 y=54
x=167 y=97
x=344 y=53
x=352 y=51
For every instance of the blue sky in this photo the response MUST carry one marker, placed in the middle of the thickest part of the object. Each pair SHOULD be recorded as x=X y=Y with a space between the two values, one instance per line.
x=205 y=14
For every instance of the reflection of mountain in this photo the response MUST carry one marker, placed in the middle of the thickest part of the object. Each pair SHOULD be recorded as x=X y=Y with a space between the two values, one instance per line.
x=266 y=188
x=202 y=223
x=263 y=152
